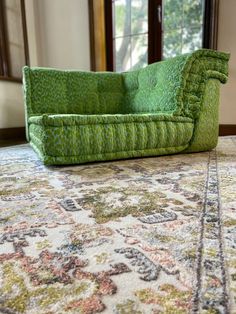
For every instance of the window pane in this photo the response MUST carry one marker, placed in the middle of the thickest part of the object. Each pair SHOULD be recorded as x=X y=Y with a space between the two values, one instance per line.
x=139 y=47
x=172 y=17
x=130 y=27
x=121 y=17
x=139 y=17
x=122 y=48
x=192 y=12
x=192 y=39
x=183 y=26
x=172 y=44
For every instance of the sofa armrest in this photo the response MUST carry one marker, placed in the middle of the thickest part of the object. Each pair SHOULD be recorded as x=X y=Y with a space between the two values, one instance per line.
x=199 y=67
x=174 y=86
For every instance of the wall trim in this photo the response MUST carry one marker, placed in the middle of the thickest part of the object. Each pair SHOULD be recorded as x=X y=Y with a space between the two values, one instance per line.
x=19 y=133
x=227 y=129
x=13 y=134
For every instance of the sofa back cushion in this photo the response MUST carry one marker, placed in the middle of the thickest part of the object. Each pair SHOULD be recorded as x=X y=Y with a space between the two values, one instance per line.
x=63 y=92
x=46 y=91
x=94 y=93
x=154 y=88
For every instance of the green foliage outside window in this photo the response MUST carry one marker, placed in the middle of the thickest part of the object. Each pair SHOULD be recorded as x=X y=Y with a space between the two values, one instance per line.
x=182 y=30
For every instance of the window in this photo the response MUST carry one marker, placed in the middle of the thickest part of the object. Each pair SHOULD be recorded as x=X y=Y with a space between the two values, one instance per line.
x=130 y=34
x=13 y=39
x=139 y=32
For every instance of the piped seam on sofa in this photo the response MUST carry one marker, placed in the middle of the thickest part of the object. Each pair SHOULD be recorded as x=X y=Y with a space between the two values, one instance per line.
x=104 y=123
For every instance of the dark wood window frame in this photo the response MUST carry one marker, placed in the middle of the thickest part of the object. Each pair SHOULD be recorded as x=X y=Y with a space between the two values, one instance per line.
x=5 y=64
x=210 y=27
x=154 y=31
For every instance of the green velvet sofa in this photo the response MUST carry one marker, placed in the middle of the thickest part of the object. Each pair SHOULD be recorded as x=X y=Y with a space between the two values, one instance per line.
x=168 y=107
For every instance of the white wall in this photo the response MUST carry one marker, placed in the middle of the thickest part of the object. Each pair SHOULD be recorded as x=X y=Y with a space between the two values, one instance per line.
x=11 y=105
x=63 y=30
x=32 y=31
x=227 y=42
x=58 y=36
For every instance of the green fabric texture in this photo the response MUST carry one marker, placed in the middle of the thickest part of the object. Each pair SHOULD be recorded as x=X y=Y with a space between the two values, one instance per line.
x=90 y=140
x=75 y=117
x=206 y=127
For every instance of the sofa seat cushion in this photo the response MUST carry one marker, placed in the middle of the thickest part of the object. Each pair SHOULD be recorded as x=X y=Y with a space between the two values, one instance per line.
x=68 y=138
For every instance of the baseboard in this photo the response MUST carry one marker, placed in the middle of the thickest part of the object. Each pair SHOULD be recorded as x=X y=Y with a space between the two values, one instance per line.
x=227 y=129
x=13 y=134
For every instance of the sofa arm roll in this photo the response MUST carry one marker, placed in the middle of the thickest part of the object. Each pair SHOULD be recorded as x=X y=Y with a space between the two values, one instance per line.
x=199 y=67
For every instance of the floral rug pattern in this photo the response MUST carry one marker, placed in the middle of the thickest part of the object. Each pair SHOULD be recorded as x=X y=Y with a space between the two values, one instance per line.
x=152 y=235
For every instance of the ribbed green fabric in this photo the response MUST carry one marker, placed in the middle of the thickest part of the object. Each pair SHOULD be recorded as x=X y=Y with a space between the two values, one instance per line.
x=104 y=115
x=92 y=139
x=206 y=127
x=62 y=160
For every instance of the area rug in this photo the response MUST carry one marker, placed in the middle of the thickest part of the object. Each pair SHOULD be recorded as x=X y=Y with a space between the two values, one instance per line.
x=151 y=235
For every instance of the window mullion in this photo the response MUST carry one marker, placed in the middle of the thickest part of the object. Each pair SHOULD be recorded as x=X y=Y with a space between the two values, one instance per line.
x=109 y=34
x=154 y=31
x=211 y=11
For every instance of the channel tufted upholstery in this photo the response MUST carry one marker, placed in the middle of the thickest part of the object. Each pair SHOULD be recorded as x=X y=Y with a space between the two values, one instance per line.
x=167 y=107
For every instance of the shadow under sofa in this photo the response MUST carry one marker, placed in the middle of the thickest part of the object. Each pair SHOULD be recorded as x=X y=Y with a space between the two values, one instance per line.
x=165 y=108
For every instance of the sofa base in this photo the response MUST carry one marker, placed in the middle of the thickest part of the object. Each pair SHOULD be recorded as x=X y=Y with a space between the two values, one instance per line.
x=68 y=160
x=75 y=139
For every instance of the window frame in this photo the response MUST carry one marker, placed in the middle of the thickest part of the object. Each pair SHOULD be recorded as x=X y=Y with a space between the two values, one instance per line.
x=5 y=66
x=155 y=29
x=210 y=25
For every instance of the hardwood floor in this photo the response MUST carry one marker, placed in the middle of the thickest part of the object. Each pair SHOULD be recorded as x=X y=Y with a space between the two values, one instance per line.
x=5 y=143
x=12 y=136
